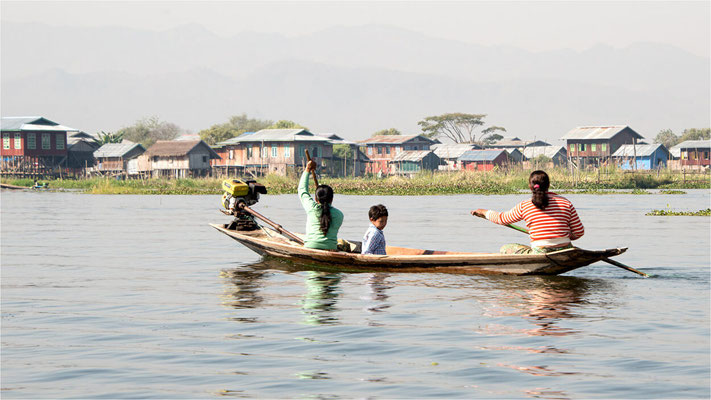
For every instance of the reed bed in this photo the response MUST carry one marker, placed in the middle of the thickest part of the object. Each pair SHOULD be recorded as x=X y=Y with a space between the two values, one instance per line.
x=424 y=183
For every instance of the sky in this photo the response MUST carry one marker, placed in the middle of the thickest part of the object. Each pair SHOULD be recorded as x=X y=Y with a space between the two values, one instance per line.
x=530 y=25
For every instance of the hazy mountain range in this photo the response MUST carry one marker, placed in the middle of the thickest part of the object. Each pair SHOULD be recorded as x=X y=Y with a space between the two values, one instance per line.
x=349 y=81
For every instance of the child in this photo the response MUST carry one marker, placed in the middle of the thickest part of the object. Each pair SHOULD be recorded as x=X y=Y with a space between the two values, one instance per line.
x=374 y=240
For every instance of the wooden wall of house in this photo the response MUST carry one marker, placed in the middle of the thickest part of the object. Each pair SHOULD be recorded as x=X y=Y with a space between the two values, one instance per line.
x=690 y=157
x=199 y=159
x=110 y=164
x=17 y=144
x=478 y=165
x=169 y=163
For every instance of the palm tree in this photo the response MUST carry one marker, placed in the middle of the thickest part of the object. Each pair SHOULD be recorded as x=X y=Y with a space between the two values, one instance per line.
x=108 y=138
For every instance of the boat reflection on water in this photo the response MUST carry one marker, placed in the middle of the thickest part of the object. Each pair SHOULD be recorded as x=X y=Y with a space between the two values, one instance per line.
x=245 y=285
x=319 y=301
x=378 y=287
x=544 y=301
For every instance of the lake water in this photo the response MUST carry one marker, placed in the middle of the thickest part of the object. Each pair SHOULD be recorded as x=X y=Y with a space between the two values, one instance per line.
x=137 y=297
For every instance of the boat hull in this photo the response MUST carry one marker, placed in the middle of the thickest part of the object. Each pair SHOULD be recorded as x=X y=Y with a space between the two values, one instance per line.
x=399 y=259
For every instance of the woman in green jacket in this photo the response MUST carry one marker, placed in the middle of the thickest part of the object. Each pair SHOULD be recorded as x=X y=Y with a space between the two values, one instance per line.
x=322 y=219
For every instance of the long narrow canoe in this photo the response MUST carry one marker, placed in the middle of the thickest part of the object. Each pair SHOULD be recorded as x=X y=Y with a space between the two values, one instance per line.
x=15 y=187
x=268 y=242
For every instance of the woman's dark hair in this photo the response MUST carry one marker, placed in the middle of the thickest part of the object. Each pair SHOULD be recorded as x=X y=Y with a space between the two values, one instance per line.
x=324 y=196
x=377 y=211
x=539 y=183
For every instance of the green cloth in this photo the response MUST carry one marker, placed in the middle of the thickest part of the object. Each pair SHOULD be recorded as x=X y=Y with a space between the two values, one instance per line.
x=517 y=248
x=315 y=239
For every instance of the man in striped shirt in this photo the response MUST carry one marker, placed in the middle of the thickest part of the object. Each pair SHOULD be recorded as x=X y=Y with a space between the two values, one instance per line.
x=374 y=240
x=551 y=219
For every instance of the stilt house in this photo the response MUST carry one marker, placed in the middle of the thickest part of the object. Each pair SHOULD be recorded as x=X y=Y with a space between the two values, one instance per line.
x=113 y=158
x=593 y=145
x=483 y=160
x=32 y=145
x=177 y=159
x=383 y=149
x=414 y=161
x=272 y=150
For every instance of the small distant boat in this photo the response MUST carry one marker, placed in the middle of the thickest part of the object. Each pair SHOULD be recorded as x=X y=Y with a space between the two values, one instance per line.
x=268 y=242
x=14 y=187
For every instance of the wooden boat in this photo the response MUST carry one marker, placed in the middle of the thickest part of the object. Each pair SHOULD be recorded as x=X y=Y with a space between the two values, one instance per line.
x=268 y=242
x=13 y=187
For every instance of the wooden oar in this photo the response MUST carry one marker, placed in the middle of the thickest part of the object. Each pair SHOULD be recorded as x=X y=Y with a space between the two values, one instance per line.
x=274 y=225
x=313 y=173
x=605 y=259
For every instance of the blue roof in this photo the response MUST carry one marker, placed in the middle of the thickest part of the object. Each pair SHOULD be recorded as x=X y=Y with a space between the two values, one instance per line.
x=481 y=155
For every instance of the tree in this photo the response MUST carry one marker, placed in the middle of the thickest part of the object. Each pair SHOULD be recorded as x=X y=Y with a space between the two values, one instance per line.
x=285 y=124
x=243 y=124
x=667 y=138
x=104 y=138
x=495 y=137
x=237 y=125
x=147 y=131
x=386 y=132
x=342 y=151
x=218 y=133
x=695 y=134
x=458 y=127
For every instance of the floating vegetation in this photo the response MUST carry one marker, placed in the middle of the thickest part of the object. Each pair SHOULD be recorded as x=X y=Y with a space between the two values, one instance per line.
x=671 y=191
x=669 y=212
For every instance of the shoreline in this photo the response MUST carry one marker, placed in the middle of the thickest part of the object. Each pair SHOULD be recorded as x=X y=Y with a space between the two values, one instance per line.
x=423 y=184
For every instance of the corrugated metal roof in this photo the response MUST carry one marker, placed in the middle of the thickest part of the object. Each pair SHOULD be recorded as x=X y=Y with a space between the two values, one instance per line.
x=598 y=132
x=510 y=150
x=15 y=123
x=481 y=155
x=548 y=151
x=277 y=135
x=335 y=139
x=412 y=155
x=177 y=148
x=46 y=128
x=694 y=144
x=80 y=135
x=642 y=150
x=517 y=143
x=116 y=149
x=452 y=150
x=81 y=145
x=391 y=139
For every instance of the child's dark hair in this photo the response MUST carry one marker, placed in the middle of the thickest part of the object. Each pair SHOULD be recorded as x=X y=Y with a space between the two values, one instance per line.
x=377 y=211
x=324 y=195
x=539 y=183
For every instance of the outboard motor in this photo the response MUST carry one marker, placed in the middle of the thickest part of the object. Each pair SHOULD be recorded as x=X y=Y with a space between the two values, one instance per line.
x=237 y=195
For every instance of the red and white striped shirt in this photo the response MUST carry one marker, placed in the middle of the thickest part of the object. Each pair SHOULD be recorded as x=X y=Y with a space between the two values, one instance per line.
x=557 y=224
